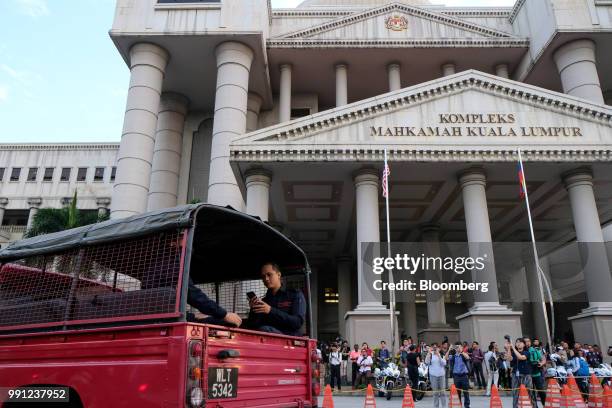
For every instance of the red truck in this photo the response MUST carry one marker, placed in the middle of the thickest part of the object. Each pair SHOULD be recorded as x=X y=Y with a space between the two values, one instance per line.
x=98 y=315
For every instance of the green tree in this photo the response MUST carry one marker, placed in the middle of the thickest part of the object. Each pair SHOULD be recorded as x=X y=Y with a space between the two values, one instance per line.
x=48 y=220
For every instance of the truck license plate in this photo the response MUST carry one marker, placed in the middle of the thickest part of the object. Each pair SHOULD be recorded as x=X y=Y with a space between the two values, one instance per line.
x=222 y=382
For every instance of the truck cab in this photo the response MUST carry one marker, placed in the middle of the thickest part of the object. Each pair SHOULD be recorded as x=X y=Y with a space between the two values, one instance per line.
x=101 y=312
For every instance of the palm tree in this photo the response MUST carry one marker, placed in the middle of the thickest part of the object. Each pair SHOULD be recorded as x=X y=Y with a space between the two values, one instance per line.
x=48 y=220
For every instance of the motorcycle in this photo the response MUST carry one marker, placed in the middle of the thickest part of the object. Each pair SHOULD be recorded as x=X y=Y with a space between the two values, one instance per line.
x=423 y=383
x=388 y=379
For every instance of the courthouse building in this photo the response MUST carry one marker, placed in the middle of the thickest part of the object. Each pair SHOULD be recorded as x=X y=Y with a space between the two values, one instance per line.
x=286 y=114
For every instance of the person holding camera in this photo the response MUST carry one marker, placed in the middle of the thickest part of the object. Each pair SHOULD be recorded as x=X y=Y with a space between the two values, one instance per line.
x=437 y=374
x=537 y=361
x=521 y=369
x=459 y=363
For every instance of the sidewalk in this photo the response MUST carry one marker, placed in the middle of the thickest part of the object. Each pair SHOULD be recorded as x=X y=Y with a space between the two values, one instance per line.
x=396 y=402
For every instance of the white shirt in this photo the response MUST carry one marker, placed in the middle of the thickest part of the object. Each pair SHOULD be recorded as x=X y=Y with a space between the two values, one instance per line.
x=335 y=357
x=365 y=363
x=485 y=362
x=436 y=366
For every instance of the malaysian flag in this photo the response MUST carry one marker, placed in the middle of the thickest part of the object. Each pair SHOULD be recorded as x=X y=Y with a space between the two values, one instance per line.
x=385 y=180
x=521 y=177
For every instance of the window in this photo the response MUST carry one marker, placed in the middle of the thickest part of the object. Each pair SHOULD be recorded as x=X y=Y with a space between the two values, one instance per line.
x=299 y=113
x=15 y=173
x=48 y=176
x=65 y=176
x=113 y=173
x=82 y=174
x=32 y=172
x=99 y=174
x=331 y=295
x=1 y=173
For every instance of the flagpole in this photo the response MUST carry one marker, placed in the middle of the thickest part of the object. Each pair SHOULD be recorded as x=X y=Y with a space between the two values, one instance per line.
x=391 y=293
x=538 y=271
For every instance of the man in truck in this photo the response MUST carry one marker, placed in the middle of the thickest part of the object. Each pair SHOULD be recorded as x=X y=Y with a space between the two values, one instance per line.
x=280 y=311
x=217 y=315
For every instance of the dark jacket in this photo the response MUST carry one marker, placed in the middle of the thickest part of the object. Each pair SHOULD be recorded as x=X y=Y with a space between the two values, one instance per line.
x=288 y=312
x=199 y=300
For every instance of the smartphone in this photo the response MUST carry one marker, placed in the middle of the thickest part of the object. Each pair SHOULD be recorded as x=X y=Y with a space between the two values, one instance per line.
x=251 y=295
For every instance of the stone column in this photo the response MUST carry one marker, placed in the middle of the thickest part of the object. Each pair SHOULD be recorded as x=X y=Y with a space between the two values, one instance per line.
x=163 y=191
x=341 y=84
x=33 y=204
x=448 y=69
x=577 y=66
x=487 y=320
x=253 y=108
x=284 y=113
x=147 y=69
x=594 y=324
x=344 y=265
x=370 y=321
x=501 y=70
x=607 y=236
x=102 y=203
x=258 y=183
x=395 y=78
x=233 y=66
x=3 y=204
x=314 y=297
x=437 y=327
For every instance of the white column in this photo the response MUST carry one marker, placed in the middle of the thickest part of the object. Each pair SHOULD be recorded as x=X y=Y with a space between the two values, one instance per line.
x=147 y=68
x=368 y=230
x=253 y=107
x=501 y=70
x=3 y=204
x=233 y=67
x=473 y=182
x=344 y=265
x=102 y=203
x=33 y=204
x=579 y=185
x=577 y=66
x=395 y=76
x=436 y=313
x=341 y=84
x=258 y=183
x=284 y=114
x=163 y=190
x=448 y=69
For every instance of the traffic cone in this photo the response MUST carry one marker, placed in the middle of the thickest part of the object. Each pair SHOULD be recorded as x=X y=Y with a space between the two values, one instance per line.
x=369 y=399
x=328 y=401
x=524 y=400
x=495 y=401
x=571 y=399
x=553 y=394
x=408 y=402
x=607 y=397
x=573 y=386
x=454 y=401
x=596 y=395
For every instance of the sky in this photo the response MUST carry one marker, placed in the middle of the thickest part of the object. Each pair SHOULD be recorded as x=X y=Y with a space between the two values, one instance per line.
x=61 y=78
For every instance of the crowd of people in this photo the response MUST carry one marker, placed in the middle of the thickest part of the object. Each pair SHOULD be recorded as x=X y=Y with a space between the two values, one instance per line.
x=468 y=365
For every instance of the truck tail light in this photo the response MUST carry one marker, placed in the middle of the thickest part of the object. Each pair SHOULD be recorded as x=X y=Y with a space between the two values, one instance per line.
x=194 y=391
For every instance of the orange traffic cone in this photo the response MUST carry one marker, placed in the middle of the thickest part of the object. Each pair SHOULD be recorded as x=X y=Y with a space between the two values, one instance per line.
x=596 y=395
x=408 y=402
x=454 y=401
x=524 y=400
x=369 y=399
x=570 y=399
x=573 y=386
x=328 y=401
x=495 y=399
x=607 y=397
x=553 y=394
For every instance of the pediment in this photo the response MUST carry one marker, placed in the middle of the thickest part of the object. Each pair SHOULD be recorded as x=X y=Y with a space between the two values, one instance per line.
x=468 y=111
x=396 y=21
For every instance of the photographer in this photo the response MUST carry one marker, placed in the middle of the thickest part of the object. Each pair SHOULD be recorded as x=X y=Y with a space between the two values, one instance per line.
x=521 y=369
x=537 y=362
x=459 y=363
x=437 y=374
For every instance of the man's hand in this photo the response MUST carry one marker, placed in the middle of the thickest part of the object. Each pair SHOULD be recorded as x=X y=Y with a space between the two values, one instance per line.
x=261 y=307
x=233 y=318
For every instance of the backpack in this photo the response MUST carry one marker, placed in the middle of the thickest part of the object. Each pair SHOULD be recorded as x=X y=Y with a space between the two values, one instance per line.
x=492 y=363
x=583 y=371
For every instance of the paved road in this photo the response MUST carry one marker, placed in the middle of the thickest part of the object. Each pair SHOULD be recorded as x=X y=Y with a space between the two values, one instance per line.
x=396 y=402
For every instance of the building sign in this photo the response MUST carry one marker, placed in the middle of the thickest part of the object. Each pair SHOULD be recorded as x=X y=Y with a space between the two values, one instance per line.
x=477 y=124
x=396 y=23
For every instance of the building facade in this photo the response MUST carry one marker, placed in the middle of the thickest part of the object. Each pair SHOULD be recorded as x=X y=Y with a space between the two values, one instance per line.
x=286 y=114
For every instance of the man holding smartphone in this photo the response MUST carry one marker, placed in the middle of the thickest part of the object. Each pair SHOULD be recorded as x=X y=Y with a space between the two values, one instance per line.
x=279 y=311
x=459 y=369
